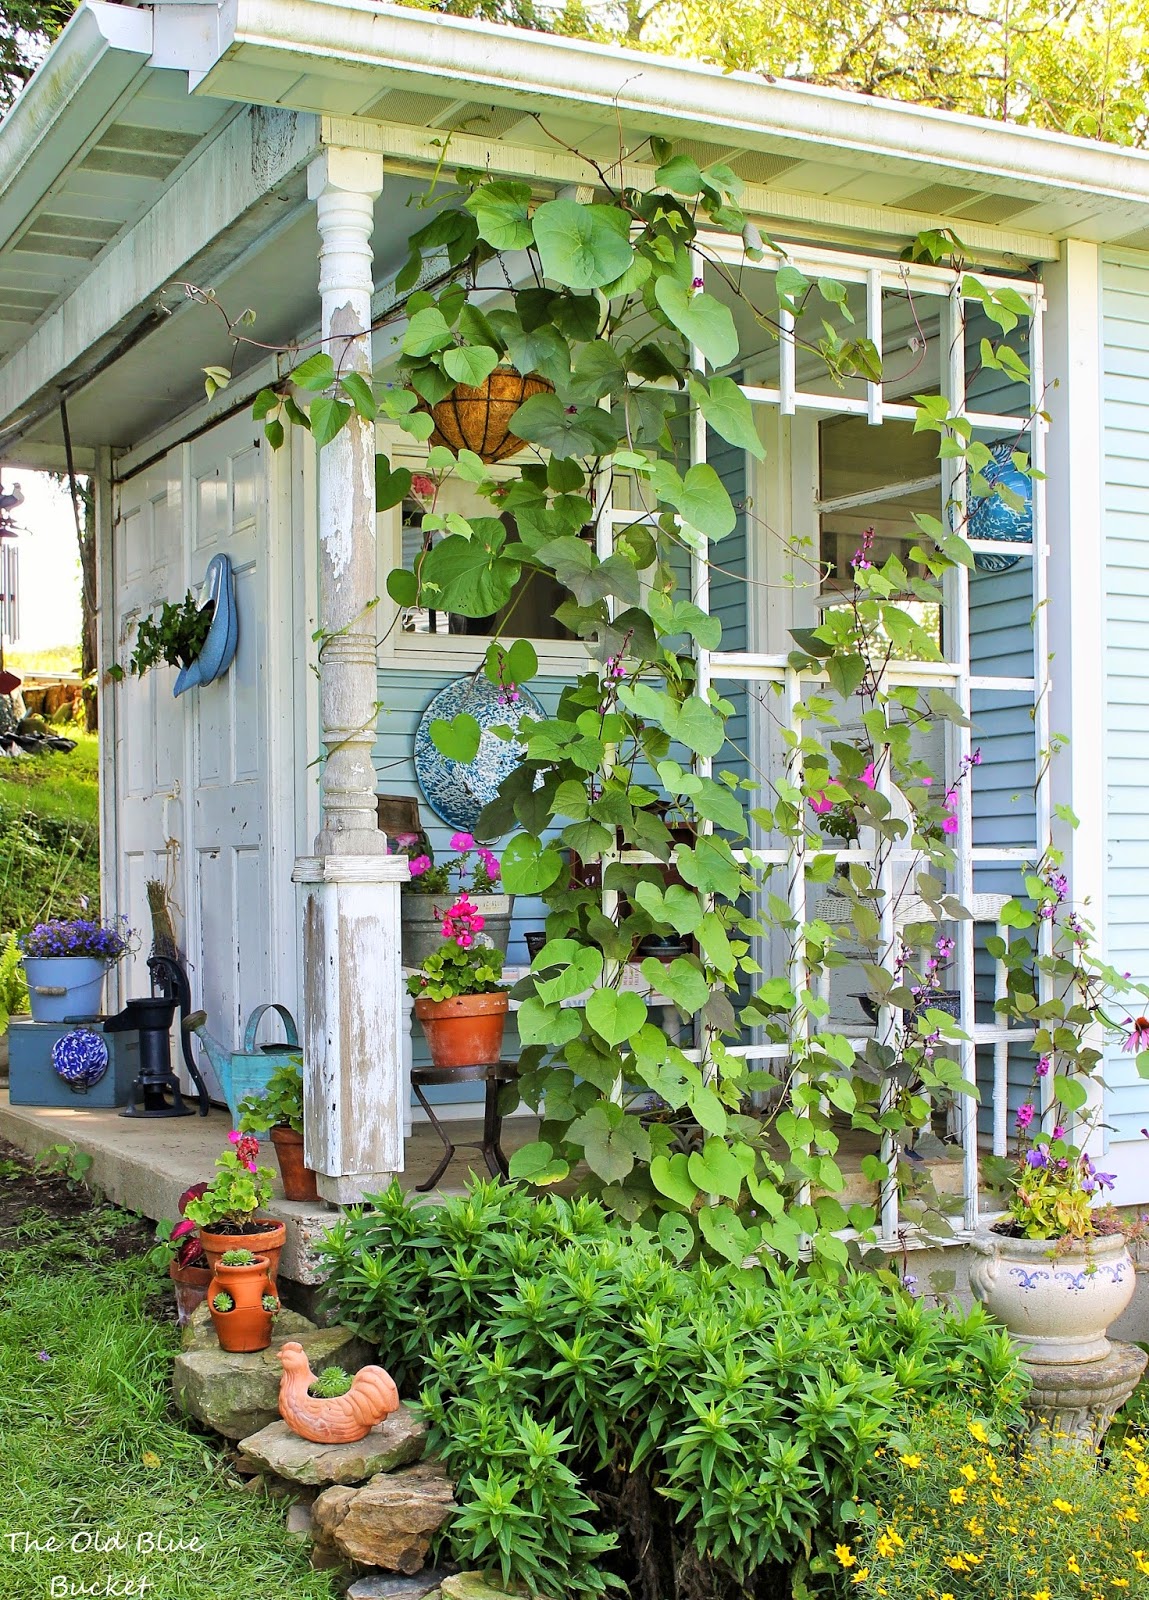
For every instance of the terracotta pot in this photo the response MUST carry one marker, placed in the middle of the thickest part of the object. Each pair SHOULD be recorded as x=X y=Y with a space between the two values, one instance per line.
x=1057 y=1303
x=479 y=418
x=191 y=1288
x=266 y=1238
x=298 y=1179
x=247 y=1326
x=466 y=1031
x=371 y=1397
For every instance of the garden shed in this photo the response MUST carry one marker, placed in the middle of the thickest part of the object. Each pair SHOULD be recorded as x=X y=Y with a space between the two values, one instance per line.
x=174 y=165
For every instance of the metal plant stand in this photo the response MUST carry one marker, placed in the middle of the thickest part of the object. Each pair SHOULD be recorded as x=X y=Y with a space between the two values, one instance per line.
x=494 y=1075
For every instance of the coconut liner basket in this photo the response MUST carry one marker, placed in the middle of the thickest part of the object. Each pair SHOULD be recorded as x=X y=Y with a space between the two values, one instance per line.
x=478 y=419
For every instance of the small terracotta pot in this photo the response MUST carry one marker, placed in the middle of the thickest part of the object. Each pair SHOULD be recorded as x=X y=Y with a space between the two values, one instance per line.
x=247 y=1326
x=266 y=1240
x=298 y=1179
x=466 y=1031
x=191 y=1288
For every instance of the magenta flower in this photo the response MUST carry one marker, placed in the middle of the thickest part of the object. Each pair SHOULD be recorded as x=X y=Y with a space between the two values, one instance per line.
x=1138 y=1036
x=490 y=862
x=1059 y=1132
x=867 y=775
x=1043 y=1066
x=462 y=841
x=1025 y=1115
x=949 y=823
x=418 y=865
x=820 y=803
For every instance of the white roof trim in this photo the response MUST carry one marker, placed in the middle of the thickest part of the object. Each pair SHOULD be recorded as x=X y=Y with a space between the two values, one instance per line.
x=96 y=58
x=517 y=67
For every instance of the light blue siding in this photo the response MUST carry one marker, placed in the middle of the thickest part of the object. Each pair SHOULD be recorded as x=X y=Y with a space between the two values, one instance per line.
x=1125 y=395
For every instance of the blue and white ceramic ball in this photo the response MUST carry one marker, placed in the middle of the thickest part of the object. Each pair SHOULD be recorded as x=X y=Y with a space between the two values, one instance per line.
x=80 y=1058
x=991 y=518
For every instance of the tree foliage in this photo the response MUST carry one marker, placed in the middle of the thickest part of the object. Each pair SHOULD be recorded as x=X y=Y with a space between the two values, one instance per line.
x=26 y=28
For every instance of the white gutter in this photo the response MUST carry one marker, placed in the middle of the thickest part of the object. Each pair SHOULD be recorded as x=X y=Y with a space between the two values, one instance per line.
x=81 y=79
x=510 y=66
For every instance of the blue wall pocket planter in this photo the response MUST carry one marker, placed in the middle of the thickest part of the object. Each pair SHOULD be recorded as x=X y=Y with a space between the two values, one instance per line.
x=991 y=518
x=223 y=635
x=457 y=791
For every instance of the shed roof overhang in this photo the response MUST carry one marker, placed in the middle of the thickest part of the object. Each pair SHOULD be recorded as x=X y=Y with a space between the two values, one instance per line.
x=133 y=160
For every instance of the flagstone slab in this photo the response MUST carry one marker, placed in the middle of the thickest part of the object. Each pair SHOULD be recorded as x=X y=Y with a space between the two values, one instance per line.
x=397 y=1441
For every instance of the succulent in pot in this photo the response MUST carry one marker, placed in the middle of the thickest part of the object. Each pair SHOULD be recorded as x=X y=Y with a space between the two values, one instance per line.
x=459 y=996
x=242 y=1301
x=229 y=1212
x=65 y=962
x=280 y=1109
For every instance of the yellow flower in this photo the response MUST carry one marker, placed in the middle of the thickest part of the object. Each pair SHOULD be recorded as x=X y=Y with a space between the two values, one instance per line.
x=977 y=1431
x=1072 y=1566
x=1064 y=1506
x=957 y=1497
x=975 y=1527
x=845 y=1555
x=968 y=1473
x=1120 y=1583
x=955 y=1563
x=861 y=1575
x=910 y=1461
x=889 y=1543
x=1042 y=1594
x=150 y=1459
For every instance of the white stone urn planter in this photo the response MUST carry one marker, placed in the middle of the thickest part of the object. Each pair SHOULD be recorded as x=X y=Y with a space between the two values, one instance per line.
x=1057 y=1302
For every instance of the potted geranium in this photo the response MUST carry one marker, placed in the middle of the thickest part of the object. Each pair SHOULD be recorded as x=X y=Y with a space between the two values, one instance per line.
x=474 y=873
x=228 y=1212
x=1053 y=1270
x=459 y=998
x=65 y=961
x=280 y=1109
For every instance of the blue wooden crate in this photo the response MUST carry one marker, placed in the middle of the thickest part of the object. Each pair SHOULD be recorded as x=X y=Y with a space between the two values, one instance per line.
x=34 y=1081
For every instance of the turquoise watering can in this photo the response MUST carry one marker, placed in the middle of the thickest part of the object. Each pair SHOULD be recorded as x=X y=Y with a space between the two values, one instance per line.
x=246 y=1071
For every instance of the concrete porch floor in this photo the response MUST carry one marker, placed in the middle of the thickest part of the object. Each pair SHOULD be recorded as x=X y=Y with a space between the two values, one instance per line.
x=145 y=1165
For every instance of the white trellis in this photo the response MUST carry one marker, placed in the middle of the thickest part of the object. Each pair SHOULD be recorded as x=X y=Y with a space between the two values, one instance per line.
x=954 y=675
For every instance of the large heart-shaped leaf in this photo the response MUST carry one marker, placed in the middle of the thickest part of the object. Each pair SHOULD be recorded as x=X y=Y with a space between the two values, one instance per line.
x=611 y=1141
x=586 y=431
x=704 y=320
x=729 y=413
x=391 y=487
x=529 y=866
x=583 y=969
x=716 y=1170
x=427 y=332
x=470 y=363
x=457 y=739
x=550 y=1025
x=675 y=905
x=615 y=1014
x=700 y=498
x=470 y=576
x=681 y=980
x=582 y=247
x=537 y=1163
x=671 y=1177
x=501 y=211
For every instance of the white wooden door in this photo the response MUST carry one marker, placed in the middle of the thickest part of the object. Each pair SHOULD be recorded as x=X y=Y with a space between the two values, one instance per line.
x=196 y=779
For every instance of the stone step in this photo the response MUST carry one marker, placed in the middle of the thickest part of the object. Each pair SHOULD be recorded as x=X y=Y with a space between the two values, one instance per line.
x=388 y=1522
x=238 y=1395
x=395 y=1442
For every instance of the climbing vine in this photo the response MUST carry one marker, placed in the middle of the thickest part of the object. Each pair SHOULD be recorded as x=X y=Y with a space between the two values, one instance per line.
x=615 y=815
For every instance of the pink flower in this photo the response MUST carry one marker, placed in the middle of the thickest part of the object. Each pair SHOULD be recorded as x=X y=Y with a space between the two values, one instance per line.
x=926 y=782
x=1043 y=1066
x=949 y=823
x=490 y=862
x=418 y=865
x=1138 y=1036
x=1059 y=1132
x=462 y=841
x=235 y=1136
x=820 y=803
x=422 y=487
x=867 y=775
x=1025 y=1115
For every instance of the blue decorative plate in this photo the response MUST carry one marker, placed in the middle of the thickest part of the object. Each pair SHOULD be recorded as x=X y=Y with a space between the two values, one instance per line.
x=457 y=791
x=991 y=518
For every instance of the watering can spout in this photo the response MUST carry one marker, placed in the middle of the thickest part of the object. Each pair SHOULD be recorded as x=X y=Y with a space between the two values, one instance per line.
x=196 y=1022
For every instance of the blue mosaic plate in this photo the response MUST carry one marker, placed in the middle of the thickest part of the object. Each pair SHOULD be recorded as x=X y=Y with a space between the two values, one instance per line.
x=457 y=791
x=991 y=518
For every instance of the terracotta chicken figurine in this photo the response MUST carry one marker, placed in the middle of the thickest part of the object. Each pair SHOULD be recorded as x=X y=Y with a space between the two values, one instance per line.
x=342 y=1420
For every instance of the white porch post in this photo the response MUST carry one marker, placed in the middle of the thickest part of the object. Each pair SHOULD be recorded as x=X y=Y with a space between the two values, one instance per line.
x=353 y=1048
x=1075 y=501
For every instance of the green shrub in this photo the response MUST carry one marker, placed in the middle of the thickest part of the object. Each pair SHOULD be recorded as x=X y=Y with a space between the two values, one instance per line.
x=962 y=1513
x=613 y=1417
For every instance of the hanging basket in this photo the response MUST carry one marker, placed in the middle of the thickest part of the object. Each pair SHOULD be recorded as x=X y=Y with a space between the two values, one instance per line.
x=478 y=419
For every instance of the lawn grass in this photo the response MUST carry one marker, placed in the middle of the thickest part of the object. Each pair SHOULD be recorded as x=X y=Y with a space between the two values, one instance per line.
x=90 y=1449
x=49 y=835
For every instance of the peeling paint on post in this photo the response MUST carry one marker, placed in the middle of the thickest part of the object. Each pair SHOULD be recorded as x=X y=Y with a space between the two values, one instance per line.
x=354 y=1077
